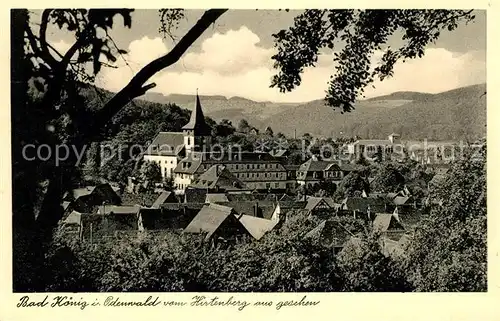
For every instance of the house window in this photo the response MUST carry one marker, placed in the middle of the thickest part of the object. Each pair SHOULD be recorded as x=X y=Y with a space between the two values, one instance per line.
x=189 y=140
x=268 y=185
x=276 y=185
x=236 y=166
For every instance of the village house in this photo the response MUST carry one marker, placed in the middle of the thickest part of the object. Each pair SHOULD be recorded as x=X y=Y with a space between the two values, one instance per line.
x=164 y=197
x=330 y=233
x=217 y=222
x=257 y=227
x=87 y=199
x=195 y=195
x=320 y=207
x=109 y=222
x=72 y=225
x=388 y=225
x=314 y=171
x=169 y=217
x=284 y=208
x=363 y=207
x=218 y=179
x=216 y=198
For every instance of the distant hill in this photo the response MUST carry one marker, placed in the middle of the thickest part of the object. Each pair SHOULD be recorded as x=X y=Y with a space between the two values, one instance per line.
x=220 y=107
x=455 y=114
x=403 y=95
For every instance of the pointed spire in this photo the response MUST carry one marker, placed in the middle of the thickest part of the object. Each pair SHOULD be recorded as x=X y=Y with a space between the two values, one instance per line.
x=197 y=120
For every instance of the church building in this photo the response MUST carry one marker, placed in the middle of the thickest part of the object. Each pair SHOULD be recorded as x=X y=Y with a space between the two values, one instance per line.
x=169 y=148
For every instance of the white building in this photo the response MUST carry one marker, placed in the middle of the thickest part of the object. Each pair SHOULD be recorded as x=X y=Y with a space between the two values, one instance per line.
x=169 y=148
x=370 y=147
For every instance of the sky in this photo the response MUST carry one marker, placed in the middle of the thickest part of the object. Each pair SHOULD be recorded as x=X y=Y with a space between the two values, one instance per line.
x=233 y=58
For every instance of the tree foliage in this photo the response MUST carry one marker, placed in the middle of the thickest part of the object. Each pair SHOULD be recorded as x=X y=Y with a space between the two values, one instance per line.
x=362 y=33
x=352 y=183
x=150 y=171
x=388 y=179
x=448 y=252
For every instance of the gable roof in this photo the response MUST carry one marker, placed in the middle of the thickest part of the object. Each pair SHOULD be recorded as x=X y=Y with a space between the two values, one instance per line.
x=162 y=198
x=362 y=203
x=166 y=144
x=189 y=164
x=216 y=198
x=377 y=142
x=181 y=206
x=278 y=153
x=331 y=202
x=316 y=165
x=197 y=120
x=118 y=209
x=73 y=218
x=331 y=233
x=384 y=222
x=401 y=200
x=392 y=196
x=313 y=202
x=259 y=197
x=65 y=205
x=79 y=192
x=208 y=220
x=292 y=204
x=346 y=167
x=264 y=209
x=195 y=195
x=218 y=176
x=256 y=226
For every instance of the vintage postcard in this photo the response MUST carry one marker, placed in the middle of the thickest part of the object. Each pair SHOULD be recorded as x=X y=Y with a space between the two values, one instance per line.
x=273 y=162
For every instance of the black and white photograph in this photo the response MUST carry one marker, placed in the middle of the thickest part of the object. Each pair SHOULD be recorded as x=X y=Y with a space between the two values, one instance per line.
x=248 y=150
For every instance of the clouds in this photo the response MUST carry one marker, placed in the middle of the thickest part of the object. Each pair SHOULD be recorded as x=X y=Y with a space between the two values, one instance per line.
x=144 y=50
x=231 y=53
x=235 y=64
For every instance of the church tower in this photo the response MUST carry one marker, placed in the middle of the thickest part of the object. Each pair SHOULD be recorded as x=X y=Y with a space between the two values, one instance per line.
x=197 y=134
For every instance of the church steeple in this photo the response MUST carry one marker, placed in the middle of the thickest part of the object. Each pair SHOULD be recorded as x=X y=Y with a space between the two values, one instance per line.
x=196 y=131
x=197 y=122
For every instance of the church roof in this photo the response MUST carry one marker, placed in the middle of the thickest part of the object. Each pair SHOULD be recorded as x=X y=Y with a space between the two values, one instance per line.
x=166 y=144
x=197 y=121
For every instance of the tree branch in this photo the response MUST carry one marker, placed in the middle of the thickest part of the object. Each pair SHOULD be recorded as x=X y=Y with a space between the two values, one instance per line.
x=442 y=21
x=36 y=49
x=135 y=87
x=50 y=212
x=51 y=61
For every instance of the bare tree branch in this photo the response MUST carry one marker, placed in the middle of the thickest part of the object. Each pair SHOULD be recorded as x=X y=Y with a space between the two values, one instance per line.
x=43 y=38
x=135 y=87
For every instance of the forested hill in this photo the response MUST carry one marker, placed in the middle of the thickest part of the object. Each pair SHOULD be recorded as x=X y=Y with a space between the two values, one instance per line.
x=140 y=121
x=455 y=114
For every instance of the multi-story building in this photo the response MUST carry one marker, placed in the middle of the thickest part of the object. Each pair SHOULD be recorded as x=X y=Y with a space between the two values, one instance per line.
x=257 y=170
